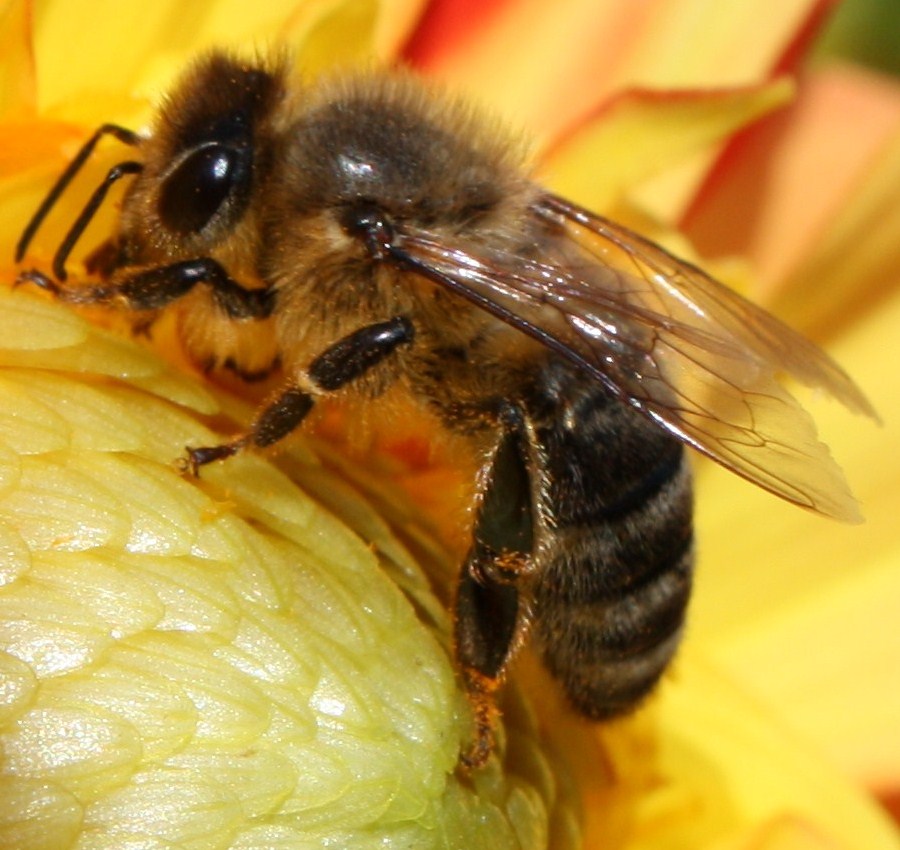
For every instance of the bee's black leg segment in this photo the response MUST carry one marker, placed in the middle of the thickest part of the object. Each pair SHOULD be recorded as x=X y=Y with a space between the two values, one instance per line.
x=38 y=278
x=274 y=422
x=124 y=135
x=207 y=454
x=116 y=173
x=351 y=357
x=486 y=628
x=342 y=362
x=280 y=417
x=491 y=602
x=155 y=288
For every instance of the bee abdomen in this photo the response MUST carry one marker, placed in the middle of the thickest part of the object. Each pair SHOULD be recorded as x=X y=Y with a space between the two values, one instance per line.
x=615 y=577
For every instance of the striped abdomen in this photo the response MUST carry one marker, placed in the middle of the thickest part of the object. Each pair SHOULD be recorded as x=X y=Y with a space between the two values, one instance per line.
x=615 y=564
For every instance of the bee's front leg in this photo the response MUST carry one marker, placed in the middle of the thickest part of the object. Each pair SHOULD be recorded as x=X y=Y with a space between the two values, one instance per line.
x=492 y=597
x=340 y=364
x=154 y=288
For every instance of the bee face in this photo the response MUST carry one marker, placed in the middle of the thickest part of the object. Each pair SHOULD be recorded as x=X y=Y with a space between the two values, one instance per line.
x=365 y=231
x=202 y=165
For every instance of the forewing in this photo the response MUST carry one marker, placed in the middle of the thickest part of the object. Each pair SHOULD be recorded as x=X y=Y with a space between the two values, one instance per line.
x=697 y=358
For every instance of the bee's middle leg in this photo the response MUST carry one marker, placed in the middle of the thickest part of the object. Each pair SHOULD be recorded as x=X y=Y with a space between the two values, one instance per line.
x=340 y=364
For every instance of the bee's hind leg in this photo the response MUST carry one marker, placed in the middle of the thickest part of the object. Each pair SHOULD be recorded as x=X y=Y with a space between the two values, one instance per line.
x=492 y=599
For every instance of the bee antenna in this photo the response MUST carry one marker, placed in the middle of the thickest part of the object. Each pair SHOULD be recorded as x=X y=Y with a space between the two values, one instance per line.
x=90 y=208
x=124 y=135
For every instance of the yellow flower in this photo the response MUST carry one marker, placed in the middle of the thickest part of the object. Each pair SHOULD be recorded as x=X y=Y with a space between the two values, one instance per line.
x=809 y=200
x=822 y=231
x=216 y=664
x=257 y=659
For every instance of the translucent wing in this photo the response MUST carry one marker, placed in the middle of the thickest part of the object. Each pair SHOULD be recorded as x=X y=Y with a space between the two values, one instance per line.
x=697 y=358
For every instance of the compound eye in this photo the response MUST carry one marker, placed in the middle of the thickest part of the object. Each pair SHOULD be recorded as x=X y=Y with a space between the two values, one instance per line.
x=203 y=181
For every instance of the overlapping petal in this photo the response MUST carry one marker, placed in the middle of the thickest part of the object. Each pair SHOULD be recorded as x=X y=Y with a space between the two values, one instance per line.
x=808 y=196
x=642 y=133
x=221 y=661
x=717 y=771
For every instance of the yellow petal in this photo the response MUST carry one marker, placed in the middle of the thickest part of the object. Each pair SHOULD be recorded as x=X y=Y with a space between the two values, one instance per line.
x=111 y=83
x=801 y=609
x=122 y=38
x=723 y=774
x=133 y=47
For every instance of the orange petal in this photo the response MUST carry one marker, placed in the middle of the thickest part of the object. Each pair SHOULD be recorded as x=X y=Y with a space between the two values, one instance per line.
x=702 y=43
x=28 y=151
x=447 y=26
x=810 y=196
x=642 y=133
x=855 y=262
x=546 y=65
x=17 y=83
x=30 y=144
x=539 y=64
x=331 y=33
x=396 y=21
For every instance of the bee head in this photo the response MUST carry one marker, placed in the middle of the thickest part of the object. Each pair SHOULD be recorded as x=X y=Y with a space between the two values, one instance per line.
x=207 y=153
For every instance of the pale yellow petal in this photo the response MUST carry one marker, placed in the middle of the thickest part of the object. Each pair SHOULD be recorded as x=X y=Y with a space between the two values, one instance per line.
x=828 y=665
x=222 y=661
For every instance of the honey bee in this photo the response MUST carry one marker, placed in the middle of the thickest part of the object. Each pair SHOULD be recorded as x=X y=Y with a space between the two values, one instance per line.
x=366 y=232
